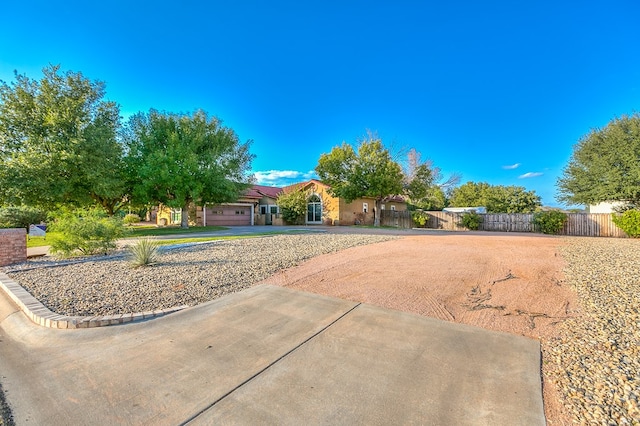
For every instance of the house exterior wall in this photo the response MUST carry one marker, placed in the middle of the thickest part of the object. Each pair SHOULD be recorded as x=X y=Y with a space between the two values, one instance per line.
x=353 y=213
x=330 y=204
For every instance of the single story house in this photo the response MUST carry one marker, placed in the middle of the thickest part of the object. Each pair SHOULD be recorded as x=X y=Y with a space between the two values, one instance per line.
x=258 y=206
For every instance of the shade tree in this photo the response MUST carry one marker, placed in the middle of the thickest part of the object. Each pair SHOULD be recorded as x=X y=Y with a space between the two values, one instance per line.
x=180 y=159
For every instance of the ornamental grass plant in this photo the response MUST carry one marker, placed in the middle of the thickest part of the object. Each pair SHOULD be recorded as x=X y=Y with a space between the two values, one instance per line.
x=144 y=252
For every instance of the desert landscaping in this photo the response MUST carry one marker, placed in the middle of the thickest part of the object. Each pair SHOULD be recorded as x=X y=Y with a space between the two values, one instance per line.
x=578 y=296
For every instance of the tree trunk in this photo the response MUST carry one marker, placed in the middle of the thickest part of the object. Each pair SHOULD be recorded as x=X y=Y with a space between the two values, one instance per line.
x=376 y=213
x=184 y=222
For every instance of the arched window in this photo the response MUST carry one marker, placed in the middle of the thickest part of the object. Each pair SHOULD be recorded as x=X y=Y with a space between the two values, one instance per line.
x=314 y=209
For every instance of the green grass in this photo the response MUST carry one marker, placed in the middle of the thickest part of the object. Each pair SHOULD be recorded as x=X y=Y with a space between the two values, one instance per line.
x=40 y=241
x=224 y=237
x=152 y=231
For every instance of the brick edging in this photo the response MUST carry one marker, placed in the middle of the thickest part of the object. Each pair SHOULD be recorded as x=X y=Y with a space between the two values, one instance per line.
x=41 y=315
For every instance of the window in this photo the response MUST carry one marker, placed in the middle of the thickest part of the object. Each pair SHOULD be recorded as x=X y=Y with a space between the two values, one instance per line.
x=382 y=207
x=393 y=208
x=239 y=211
x=365 y=207
x=263 y=209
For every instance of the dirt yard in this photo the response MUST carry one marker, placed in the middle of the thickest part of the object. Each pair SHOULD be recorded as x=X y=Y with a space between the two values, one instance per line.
x=510 y=283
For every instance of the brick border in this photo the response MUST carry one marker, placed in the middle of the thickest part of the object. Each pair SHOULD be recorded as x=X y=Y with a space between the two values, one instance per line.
x=41 y=315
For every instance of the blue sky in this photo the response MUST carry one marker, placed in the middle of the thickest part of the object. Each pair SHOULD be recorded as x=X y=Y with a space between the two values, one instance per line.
x=497 y=91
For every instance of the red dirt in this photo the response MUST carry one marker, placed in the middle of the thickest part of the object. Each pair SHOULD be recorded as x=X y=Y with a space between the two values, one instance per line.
x=510 y=283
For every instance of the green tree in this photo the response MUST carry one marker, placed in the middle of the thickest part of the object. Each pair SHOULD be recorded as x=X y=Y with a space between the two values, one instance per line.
x=367 y=172
x=58 y=142
x=605 y=165
x=182 y=159
x=496 y=198
x=471 y=194
x=293 y=205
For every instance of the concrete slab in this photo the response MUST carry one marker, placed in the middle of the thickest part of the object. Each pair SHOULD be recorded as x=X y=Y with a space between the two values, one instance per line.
x=379 y=367
x=269 y=355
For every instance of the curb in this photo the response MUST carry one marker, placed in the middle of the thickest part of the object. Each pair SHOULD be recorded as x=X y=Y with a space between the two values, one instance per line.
x=41 y=315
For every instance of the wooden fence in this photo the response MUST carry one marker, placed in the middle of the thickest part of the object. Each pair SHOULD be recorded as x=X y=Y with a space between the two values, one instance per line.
x=578 y=224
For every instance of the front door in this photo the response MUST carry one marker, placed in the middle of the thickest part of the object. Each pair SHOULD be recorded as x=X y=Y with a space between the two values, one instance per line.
x=314 y=210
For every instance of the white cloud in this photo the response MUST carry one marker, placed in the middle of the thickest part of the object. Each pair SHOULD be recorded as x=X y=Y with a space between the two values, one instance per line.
x=530 y=175
x=282 y=177
x=511 y=167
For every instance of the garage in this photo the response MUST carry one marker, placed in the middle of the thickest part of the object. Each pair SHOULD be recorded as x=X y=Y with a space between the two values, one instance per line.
x=228 y=215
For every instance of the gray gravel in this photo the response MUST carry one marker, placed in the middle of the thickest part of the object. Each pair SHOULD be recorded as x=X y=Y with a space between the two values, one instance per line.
x=596 y=361
x=184 y=276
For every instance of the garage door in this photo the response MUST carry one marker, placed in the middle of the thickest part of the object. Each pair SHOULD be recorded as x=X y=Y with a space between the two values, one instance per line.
x=228 y=215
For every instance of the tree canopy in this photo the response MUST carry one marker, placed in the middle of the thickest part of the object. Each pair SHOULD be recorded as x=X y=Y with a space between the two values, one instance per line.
x=58 y=142
x=367 y=172
x=180 y=159
x=496 y=198
x=605 y=165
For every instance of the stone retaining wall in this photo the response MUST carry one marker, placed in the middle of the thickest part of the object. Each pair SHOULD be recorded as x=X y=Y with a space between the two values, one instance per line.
x=13 y=246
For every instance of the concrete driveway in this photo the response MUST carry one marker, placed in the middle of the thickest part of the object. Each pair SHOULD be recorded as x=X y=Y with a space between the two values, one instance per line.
x=270 y=355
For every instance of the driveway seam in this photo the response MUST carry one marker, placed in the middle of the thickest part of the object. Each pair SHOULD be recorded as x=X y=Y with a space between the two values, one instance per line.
x=271 y=364
x=43 y=316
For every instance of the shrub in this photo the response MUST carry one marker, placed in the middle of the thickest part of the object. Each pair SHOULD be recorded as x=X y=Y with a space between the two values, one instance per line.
x=293 y=206
x=21 y=217
x=629 y=222
x=85 y=232
x=131 y=218
x=144 y=252
x=550 y=222
x=471 y=220
x=420 y=218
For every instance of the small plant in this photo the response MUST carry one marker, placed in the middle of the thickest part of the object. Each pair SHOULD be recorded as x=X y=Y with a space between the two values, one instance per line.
x=144 y=252
x=420 y=218
x=629 y=222
x=131 y=218
x=550 y=222
x=85 y=232
x=471 y=220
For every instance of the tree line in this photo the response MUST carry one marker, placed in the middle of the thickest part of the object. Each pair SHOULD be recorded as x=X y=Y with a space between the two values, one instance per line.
x=62 y=144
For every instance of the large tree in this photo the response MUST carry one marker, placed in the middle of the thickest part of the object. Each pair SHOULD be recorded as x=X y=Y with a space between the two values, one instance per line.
x=367 y=172
x=496 y=198
x=605 y=165
x=181 y=159
x=58 y=142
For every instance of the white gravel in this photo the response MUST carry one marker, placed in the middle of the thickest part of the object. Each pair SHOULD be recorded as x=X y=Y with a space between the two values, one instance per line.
x=184 y=276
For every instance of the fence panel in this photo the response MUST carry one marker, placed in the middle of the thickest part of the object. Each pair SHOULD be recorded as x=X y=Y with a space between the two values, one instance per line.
x=578 y=224
x=399 y=219
x=512 y=222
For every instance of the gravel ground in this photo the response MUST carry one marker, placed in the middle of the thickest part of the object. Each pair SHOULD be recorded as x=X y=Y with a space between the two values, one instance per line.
x=595 y=362
x=184 y=276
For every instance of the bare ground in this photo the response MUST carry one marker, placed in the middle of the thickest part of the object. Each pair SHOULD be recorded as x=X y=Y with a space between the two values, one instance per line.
x=510 y=283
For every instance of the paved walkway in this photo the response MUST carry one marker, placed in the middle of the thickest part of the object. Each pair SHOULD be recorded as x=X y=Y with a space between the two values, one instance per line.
x=270 y=355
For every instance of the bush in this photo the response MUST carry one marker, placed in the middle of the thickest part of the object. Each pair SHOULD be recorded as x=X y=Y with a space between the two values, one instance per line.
x=131 y=218
x=550 y=222
x=471 y=220
x=420 y=218
x=85 y=232
x=144 y=252
x=293 y=206
x=629 y=222
x=21 y=217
